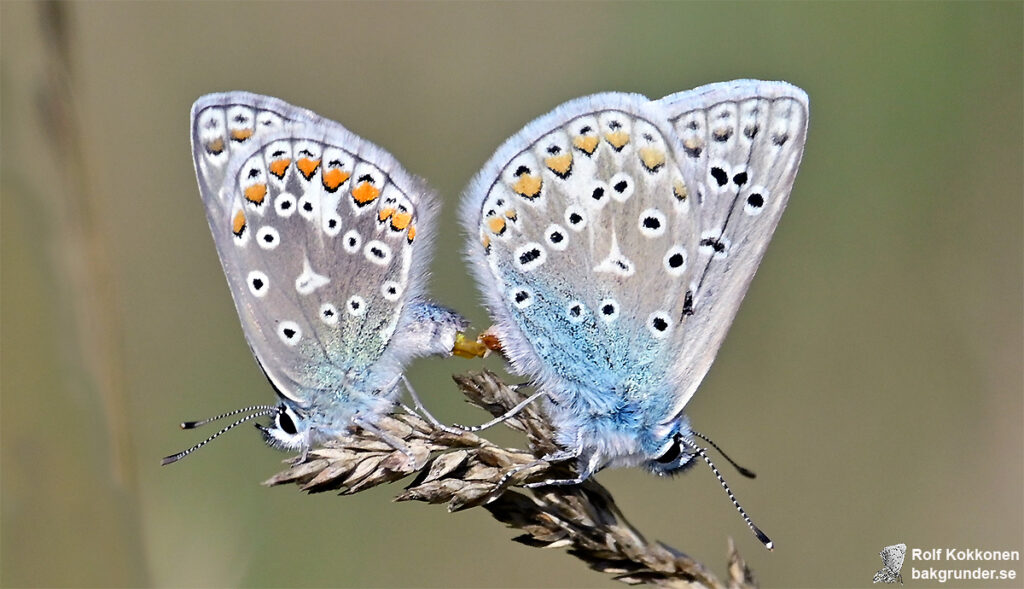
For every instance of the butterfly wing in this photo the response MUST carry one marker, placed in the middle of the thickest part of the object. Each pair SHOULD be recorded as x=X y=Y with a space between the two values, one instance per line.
x=582 y=239
x=316 y=230
x=225 y=124
x=742 y=144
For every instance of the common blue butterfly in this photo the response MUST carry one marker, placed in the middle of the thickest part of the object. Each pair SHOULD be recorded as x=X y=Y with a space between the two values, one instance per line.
x=325 y=241
x=614 y=239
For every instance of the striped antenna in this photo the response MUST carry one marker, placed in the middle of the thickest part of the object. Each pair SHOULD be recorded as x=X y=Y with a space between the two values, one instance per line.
x=743 y=471
x=750 y=524
x=262 y=410
x=195 y=424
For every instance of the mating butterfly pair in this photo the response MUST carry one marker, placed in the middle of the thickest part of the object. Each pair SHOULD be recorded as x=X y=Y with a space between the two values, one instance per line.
x=613 y=239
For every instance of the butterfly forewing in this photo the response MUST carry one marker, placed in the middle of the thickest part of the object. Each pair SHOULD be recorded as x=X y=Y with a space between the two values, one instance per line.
x=225 y=124
x=742 y=144
x=587 y=238
x=316 y=239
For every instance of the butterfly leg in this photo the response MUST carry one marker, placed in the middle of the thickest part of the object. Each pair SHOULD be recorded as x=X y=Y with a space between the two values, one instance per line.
x=503 y=482
x=457 y=429
x=391 y=440
x=560 y=456
x=306 y=446
x=421 y=410
x=504 y=416
x=587 y=463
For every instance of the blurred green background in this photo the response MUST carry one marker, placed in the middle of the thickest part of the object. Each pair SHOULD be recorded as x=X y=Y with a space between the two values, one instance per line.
x=873 y=377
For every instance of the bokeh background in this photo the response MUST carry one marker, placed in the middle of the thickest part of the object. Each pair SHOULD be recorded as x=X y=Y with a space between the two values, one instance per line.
x=873 y=377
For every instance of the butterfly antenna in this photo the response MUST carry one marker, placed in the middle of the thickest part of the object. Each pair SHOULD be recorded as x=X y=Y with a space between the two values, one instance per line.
x=201 y=422
x=743 y=471
x=750 y=524
x=265 y=410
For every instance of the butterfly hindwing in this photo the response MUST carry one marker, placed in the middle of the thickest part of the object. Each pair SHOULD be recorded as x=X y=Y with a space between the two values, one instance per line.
x=585 y=241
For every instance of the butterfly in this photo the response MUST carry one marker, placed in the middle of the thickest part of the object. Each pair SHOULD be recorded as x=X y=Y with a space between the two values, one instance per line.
x=614 y=239
x=325 y=242
x=892 y=562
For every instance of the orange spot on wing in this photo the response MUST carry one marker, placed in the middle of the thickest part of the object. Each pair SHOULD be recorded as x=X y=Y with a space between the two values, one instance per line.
x=384 y=214
x=486 y=241
x=215 y=147
x=256 y=193
x=496 y=225
x=412 y=233
x=617 y=139
x=238 y=224
x=693 y=146
x=652 y=158
x=241 y=134
x=511 y=214
x=560 y=164
x=400 y=221
x=334 y=178
x=365 y=193
x=586 y=144
x=279 y=167
x=679 y=190
x=307 y=167
x=528 y=186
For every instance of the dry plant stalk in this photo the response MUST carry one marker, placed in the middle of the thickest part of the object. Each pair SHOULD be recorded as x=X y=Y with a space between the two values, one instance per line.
x=463 y=470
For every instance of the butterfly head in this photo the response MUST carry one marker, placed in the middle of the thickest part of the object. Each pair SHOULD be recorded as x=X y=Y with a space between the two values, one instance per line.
x=674 y=458
x=289 y=428
x=300 y=421
x=617 y=443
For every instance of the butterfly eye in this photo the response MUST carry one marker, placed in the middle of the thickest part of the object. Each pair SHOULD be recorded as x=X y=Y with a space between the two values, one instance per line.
x=671 y=454
x=284 y=421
